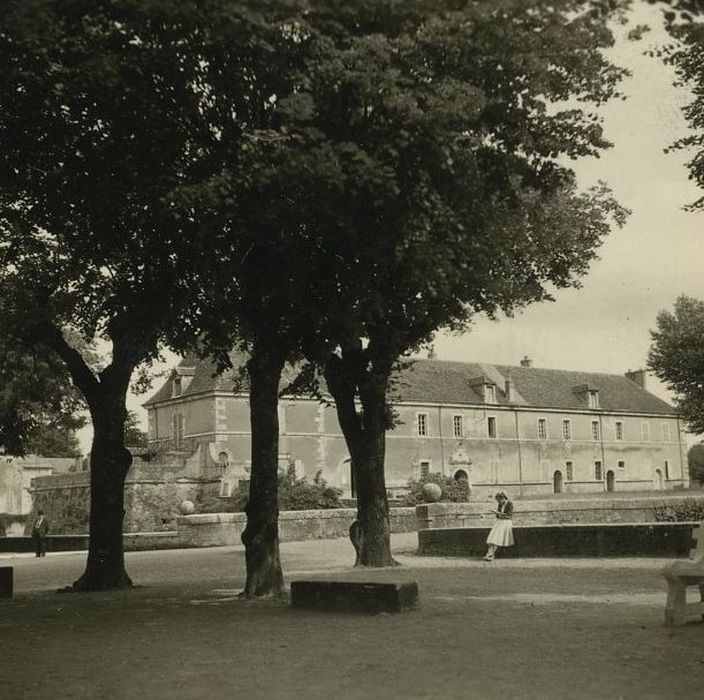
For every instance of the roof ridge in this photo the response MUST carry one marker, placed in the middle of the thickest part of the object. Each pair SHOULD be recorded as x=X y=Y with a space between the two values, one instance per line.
x=521 y=367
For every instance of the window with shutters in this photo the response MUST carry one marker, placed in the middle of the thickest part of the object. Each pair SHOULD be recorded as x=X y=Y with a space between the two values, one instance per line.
x=567 y=429
x=596 y=432
x=542 y=429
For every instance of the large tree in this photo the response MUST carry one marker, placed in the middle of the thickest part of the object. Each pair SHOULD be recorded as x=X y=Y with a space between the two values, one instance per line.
x=101 y=107
x=448 y=194
x=687 y=56
x=407 y=171
x=695 y=462
x=677 y=357
x=40 y=409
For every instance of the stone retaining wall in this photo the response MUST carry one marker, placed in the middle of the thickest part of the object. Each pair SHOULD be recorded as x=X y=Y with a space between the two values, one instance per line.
x=133 y=542
x=152 y=496
x=216 y=529
x=548 y=512
x=602 y=540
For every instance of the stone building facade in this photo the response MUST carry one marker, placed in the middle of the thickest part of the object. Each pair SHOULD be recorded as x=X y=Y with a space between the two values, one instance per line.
x=528 y=430
x=154 y=491
x=16 y=474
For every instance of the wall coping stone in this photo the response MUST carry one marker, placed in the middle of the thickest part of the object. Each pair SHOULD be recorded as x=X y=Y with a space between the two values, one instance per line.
x=322 y=514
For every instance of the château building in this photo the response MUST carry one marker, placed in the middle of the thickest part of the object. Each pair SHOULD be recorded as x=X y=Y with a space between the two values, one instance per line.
x=525 y=429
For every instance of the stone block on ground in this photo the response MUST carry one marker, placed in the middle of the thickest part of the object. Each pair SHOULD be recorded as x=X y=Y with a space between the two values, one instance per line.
x=353 y=596
x=6 y=581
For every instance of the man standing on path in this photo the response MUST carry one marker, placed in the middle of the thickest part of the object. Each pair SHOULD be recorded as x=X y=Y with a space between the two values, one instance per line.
x=40 y=529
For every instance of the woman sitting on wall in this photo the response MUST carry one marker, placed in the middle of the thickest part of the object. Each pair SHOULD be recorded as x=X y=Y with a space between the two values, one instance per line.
x=501 y=534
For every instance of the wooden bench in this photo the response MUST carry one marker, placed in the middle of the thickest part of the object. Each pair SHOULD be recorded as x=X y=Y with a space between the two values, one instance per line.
x=6 y=581
x=682 y=575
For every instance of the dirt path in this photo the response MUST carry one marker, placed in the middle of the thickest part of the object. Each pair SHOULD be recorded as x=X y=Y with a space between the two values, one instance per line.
x=515 y=629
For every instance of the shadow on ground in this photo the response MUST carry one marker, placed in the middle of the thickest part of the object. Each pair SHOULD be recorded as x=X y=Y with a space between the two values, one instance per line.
x=513 y=629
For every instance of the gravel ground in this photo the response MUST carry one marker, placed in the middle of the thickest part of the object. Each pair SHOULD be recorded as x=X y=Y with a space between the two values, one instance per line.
x=536 y=628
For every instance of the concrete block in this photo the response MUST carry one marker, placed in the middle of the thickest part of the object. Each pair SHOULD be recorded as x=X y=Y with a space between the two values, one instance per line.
x=6 y=581
x=353 y=596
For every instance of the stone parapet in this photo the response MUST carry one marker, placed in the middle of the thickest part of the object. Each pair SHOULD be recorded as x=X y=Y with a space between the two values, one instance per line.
x=133 y=542
x=217 y=529
x=574 y=540
x=546 y=512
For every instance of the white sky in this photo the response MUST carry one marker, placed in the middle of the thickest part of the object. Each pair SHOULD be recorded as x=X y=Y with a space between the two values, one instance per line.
x=604 y=326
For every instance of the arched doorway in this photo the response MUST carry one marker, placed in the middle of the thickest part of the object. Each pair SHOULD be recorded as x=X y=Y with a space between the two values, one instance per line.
x=461 y=475
x=657 y=481
x=557 y=481
x=610 y=481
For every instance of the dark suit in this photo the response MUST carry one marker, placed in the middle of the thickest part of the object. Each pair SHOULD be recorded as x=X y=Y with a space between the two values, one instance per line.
x=40 y=530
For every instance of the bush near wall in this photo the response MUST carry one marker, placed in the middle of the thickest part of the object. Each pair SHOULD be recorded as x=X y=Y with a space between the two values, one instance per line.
x=294 y=494
x=452 y=491
x=8 y=519
x=686 y=510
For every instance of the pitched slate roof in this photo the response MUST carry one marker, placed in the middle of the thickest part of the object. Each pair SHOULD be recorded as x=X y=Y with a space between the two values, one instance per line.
x=442 y=382
x=436 y=381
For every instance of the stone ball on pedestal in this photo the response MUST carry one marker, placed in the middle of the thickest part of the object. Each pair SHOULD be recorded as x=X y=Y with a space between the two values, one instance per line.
x=432 y=492
x=187 y=508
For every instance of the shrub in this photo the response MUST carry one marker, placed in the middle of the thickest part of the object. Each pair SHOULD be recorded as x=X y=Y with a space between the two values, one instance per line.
x=8 y=519
x=74 y=519
x=211 y=503
x=453 y=491
x=686 y=510
x=298 y=494
x=294 y=494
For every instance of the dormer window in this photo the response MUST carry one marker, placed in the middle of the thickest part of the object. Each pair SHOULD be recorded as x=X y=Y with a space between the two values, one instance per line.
x=588 y=394
x=485 y=388
x=176 y=386
x=593 y=398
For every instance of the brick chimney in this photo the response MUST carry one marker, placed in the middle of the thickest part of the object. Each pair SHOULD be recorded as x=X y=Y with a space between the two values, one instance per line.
x=526 y=362
x=638 y=376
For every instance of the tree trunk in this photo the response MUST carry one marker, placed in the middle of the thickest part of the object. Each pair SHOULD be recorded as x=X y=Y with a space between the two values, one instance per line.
x=106 y=395
x=365 y=436
x=261 y=535
x=109 y=463
x=372 y=501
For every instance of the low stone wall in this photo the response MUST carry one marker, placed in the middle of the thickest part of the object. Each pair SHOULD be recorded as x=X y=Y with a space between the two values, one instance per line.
x=220 y=529
x=133 y=542
x=216 y=529
x=547 y=512
x=153 y=493
x=602 y=540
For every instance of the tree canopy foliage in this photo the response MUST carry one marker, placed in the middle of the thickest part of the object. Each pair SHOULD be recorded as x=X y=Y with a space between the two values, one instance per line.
x=398 y=169
x=40 y=409
x=684 y=20
x=100 y=111
x=677 y=357
x=695 y=462
x=310 y=176
x=134 y=435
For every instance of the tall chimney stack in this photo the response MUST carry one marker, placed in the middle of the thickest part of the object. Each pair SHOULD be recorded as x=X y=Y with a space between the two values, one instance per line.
x=637 y=376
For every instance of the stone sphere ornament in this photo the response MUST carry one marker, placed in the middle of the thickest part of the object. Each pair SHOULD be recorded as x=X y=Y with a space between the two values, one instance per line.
x=187 y=508
x=432 y=493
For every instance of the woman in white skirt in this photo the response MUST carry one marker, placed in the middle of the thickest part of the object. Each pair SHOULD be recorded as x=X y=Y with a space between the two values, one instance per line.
x=501 y=534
